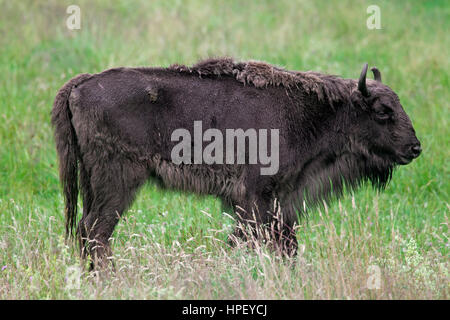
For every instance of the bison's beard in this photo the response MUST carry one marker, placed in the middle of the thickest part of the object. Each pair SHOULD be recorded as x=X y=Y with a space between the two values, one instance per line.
x=380 y=176
x=321 y=180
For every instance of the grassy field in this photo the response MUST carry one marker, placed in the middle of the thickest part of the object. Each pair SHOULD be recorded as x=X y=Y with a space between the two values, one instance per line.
x=369 y=245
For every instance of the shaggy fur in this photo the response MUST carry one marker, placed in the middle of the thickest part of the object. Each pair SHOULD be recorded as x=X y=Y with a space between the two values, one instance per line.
x=113 y=133
x=260 y=74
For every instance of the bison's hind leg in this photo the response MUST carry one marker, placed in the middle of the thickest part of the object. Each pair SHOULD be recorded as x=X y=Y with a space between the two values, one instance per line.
x=88 y=197
x=113 y=186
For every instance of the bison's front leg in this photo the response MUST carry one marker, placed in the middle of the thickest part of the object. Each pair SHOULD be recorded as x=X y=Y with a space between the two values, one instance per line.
x=260 y=221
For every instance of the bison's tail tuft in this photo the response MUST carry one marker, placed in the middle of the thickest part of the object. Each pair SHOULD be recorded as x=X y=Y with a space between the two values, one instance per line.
x=67 y=148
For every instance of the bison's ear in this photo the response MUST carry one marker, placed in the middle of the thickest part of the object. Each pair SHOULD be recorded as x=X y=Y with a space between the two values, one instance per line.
x=362 y=87
x=376 y=74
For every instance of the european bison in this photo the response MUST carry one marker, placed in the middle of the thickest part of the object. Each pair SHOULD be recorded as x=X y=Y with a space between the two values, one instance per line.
x=114 y=130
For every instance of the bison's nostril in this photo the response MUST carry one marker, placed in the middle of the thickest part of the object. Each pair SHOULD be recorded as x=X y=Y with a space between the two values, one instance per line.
x=416 y=150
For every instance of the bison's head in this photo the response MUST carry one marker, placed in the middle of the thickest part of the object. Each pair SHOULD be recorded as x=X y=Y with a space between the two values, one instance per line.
x=383 y=132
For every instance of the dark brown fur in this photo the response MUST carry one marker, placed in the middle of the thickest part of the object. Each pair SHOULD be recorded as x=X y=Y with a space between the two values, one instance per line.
x=115 y=128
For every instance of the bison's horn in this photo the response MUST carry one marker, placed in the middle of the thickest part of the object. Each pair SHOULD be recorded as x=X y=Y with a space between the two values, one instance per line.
x=362 y=87
x=376 y=74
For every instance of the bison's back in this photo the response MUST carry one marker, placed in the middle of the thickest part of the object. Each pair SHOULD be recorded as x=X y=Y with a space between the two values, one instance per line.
x=144 y=106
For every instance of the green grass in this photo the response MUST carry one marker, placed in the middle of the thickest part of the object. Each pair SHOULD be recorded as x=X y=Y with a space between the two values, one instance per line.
x=167 y=247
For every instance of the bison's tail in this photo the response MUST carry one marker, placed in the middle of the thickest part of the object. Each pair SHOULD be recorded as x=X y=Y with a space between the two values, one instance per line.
x=67 y=148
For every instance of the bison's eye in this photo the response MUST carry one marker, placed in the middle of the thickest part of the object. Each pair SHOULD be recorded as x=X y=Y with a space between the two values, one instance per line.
x=382 y=116
x=382 y=112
